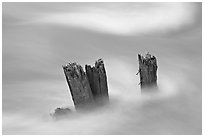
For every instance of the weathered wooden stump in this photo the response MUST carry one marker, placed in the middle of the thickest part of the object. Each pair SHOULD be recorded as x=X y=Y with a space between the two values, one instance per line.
x=98 y=81
x=78 y=85
x=148 y=71
x=90 y=88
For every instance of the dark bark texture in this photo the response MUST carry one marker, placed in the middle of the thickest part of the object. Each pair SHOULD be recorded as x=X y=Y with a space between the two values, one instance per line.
x=98 y=81
x=148 y=71
x=78 y=85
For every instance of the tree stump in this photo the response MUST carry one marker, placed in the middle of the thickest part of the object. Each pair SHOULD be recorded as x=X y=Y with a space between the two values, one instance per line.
x=78 y=85
x=148 y=71
x=98 y=81
x=90 y=88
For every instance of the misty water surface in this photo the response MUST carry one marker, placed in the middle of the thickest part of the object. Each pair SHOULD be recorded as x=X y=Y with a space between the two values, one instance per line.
x=34 y=83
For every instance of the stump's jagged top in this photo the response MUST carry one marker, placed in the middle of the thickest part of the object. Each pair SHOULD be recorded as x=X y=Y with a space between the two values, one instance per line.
x=98 y=63
x=148 y=59
x=75 y=70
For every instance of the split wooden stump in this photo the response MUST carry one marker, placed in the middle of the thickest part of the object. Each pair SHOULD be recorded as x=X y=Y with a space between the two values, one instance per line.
x=148 y=71
x=88 y=88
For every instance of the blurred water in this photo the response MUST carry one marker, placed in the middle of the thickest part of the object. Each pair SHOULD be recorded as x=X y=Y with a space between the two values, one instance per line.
x=175 y=109
x=34 y=83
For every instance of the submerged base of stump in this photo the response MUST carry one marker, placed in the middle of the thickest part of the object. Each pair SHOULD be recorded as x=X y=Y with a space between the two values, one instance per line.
x=88 y=88
x=60 y=113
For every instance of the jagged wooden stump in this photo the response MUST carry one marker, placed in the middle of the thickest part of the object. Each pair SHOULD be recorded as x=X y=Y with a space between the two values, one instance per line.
x=148 y=71
x=98 y=81
x=78 y=85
